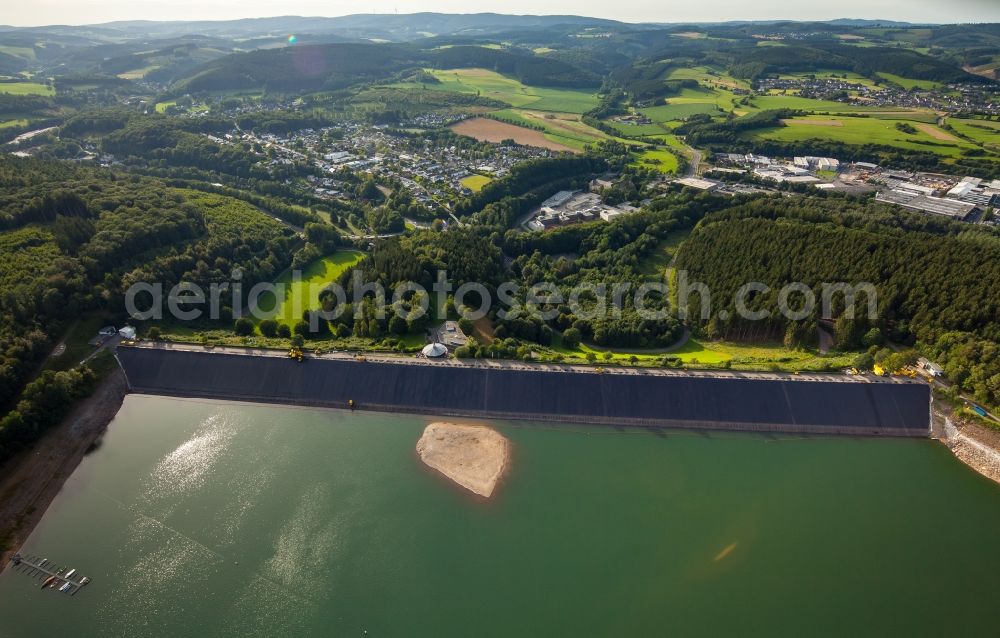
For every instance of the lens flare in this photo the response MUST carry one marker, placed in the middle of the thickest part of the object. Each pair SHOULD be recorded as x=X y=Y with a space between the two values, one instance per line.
x=292 y=39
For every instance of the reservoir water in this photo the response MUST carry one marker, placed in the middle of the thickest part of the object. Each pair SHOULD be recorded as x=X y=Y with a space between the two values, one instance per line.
x=199 y=518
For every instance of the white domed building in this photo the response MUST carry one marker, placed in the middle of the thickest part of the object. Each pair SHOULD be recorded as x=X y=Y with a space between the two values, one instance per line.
x=435 y=350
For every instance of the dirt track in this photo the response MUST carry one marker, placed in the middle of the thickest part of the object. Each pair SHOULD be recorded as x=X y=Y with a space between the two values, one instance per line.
x=937 y=133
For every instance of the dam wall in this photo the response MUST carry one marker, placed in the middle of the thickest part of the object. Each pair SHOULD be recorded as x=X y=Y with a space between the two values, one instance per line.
x=680 y=401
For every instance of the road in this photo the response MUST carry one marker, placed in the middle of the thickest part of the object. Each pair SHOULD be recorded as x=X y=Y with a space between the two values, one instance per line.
x=694 y=162
x=387 y=358
x=111 y=343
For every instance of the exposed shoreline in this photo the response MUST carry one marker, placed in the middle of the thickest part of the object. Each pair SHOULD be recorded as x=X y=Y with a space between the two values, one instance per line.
x=31 y=480
x=976 y=447
x=475 y=457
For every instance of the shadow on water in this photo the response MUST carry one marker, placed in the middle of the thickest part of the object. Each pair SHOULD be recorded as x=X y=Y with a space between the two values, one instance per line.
x=94 y=446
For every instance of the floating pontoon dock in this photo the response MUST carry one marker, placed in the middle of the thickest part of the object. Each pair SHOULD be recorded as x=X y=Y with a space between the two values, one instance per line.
x=64 y=579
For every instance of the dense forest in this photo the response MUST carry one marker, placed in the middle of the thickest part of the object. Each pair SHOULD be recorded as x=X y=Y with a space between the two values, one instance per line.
x=751 y=63
x=592 y=256
x=75 y=239
x=338 y=65
x=938 y=284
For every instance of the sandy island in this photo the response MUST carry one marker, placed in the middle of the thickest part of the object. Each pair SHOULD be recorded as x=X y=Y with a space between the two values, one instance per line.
x=474 y=456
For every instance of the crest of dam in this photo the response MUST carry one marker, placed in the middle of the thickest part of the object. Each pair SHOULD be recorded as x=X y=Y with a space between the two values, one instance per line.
x=730 y=401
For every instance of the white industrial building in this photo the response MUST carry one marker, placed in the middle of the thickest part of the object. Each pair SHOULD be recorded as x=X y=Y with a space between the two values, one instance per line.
x=699 y=184
x=926 y=204
x=558 y=199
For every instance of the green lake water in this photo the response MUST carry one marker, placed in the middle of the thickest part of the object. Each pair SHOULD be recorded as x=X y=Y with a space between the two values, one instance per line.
x=198 y=518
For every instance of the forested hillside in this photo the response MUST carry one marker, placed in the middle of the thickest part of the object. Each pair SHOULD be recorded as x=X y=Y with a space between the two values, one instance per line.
x=73 y=240
x=937 y=285
x=333 y=66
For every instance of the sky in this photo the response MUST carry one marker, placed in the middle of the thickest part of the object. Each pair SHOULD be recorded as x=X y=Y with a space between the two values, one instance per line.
x=43 y=12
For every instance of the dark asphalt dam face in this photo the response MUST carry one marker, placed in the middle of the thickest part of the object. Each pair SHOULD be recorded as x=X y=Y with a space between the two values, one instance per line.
x=701 y=402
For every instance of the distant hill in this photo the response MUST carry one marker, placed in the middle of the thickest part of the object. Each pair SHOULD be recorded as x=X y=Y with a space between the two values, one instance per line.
x=301 y=68
x=332 y=66
x=852 y=22
x=395 y=27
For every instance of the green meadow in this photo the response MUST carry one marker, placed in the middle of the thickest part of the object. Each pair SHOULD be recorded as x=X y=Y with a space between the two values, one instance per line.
x=908 y=83
x=490 y=84
x=863 y=130
x=831 y=74
x=771 y=102
x=986 y=132
x=28 y=53
x=707 y=76
x=679 y=110
x=303 y=294
x=663 y=161
x=17 y=122
x=475 y=183
x=635 y=130
x=696 y=354
x=26 y=88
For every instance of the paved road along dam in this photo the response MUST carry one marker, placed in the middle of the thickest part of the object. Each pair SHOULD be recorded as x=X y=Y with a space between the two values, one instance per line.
x=687 y=401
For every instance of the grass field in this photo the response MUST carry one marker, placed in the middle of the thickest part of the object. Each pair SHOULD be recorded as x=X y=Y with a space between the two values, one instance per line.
x=27 y=53
x=833 y=74
x=664 y=160
x=475 y=183
x=707 y=76
x=679 y=111
x=490 y=84
x=697 y=354
x=770 y=102
x=636 y=130
x=986 y=132
x=305 y=292
x=26 y=88
x=856 y=130
x=925 y=116
x=907 y=83
x=17 y=122
x=661 y=160
x=138 y=74
x=758 y=357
